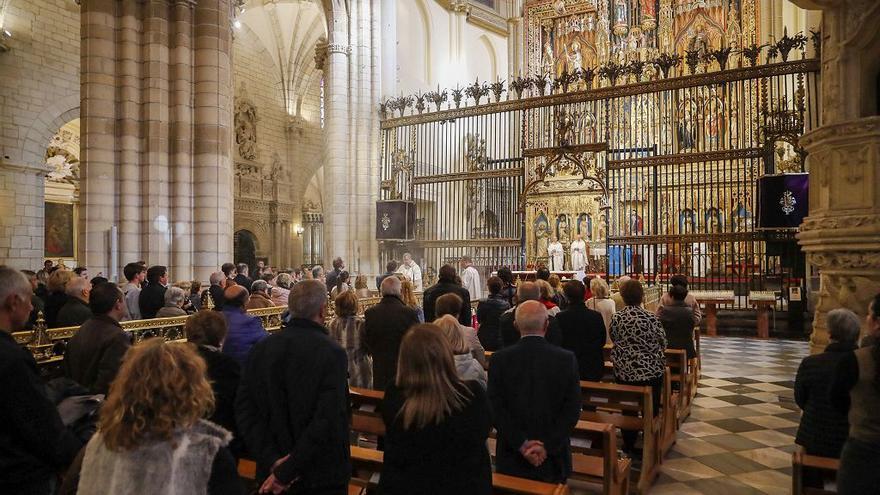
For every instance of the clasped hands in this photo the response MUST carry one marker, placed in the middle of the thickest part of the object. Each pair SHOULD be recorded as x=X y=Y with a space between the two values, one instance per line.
x=534 y=452
x=272 y=485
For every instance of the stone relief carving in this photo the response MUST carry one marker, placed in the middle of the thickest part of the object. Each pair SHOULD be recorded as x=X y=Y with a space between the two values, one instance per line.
x=245 y=125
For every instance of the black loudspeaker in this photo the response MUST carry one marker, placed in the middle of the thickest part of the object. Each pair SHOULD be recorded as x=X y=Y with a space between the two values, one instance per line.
x=395 y=220
x=783 y=200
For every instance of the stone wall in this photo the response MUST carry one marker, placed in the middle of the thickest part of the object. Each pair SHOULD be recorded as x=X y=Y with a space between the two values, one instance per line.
x=39 y=92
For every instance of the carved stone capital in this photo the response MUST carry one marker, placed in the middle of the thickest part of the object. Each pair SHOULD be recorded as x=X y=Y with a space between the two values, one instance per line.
x=339 y=48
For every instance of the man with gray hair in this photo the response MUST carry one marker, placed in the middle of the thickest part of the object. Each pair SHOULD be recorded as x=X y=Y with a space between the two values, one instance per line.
x=34 y=444
x=76 y=310
x=823 y=428
x=534 y=389
x=292 y=402
x=218 y=285
x=526 y=291
x=385 y=324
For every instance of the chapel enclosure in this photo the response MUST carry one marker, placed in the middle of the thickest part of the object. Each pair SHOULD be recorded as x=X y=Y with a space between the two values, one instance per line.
x=655 y=164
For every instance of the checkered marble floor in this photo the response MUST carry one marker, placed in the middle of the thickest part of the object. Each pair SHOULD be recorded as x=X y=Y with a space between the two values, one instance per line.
x=740 y=434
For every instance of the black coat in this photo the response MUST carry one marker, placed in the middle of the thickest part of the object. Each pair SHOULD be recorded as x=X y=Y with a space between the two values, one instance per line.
x=54 y=302
x=583 y=333
x=151 y=300
x=534 y=389
x=510 y=335
x=678 y=322
x=244 y=281
x=823 y=428
x=385 y=324
x=33 y=442
x=74 y=313
x=489 y=312
x=224 y=373
x=216 y=296
x=293 y=399
x=446 y=458
x=443 y=287
x=330 y=279
x=94 y=353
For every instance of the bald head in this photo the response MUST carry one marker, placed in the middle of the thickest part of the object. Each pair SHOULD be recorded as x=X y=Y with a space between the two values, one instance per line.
x=528 y=291
x=531 y=318
x=235 y=296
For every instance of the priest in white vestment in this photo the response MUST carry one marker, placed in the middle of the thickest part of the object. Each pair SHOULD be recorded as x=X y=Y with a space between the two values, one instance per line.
x=411 y=270
x=578 y=253
x=557 y=255
x=470 y=279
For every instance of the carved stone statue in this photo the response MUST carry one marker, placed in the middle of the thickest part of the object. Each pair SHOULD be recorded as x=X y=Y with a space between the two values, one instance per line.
x=245 y=126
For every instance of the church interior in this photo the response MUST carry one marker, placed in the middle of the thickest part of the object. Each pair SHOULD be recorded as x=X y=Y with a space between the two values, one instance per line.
x=704 y=170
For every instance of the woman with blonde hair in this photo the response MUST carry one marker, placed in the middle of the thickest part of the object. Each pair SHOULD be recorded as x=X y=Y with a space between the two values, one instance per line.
x=466 y=366
x=408 y=296
x=360 y=287
x=281 y=292
x=151 y=437
x=556 y=293
x=601 y=301
x=347 y=329
x=547 y=297
x=436 y=425
x=57 y=287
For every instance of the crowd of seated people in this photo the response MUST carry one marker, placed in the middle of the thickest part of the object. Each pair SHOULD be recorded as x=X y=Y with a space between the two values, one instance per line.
x=235 y=391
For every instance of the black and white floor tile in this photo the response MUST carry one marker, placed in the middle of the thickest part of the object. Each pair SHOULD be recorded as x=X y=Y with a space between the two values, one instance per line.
x=740 y=434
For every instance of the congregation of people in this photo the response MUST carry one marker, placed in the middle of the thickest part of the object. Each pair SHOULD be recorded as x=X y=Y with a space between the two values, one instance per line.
x=191 y=410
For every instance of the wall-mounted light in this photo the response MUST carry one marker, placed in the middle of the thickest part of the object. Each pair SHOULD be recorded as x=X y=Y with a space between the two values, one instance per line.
x=237 y=24
x=299 y=230
x=5 y=35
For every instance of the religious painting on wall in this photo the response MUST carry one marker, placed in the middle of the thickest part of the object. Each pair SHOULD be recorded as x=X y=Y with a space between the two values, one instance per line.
x=687 y=222
x=60 y=230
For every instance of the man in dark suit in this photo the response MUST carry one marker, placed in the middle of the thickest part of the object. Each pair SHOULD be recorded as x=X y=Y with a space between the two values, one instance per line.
x=390 y=268
x=34 y=444
x=446 y=284
x=76 y=310
x=583 y=332
x=534 y=389
x=385 y=324
x=152 y=298
x=242 y=277
x=333 y=275
x=292 y=403
x=95 y=352
x=526 y=291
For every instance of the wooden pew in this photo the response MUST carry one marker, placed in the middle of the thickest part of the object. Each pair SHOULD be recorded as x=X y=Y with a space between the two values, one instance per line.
x=800 y=460
x=600 y=463
x=368 y=460
x=683 y=380
x=629 y=408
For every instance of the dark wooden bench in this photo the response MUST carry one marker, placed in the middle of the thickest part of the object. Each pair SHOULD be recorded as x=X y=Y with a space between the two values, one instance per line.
x=629 y=408
x=599 y=463
x=800 y=460
x=684 y=384
x=370 y=461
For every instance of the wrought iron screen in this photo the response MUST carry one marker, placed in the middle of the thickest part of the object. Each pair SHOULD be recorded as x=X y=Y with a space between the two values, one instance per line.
x=656 y=173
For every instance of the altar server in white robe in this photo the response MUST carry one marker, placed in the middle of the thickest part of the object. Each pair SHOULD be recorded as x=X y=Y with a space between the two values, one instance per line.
x=557 y=255
x=411 y=270
x=578 y=253
x=470 y=279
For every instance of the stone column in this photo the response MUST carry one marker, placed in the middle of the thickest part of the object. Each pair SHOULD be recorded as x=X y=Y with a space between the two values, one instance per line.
x=156 y=117
x=842 y=233
x=21 y=224
x=212 y=146
x=337 y=164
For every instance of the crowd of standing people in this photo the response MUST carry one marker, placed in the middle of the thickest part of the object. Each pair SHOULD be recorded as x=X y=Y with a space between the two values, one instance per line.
x=234 y=391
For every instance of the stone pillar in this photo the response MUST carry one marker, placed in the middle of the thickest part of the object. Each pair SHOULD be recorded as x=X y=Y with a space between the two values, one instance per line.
x=842 y=233
x=390 y=69
x=338 y=142
x=212 y=140
x=156 y=117
x=351 y=167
